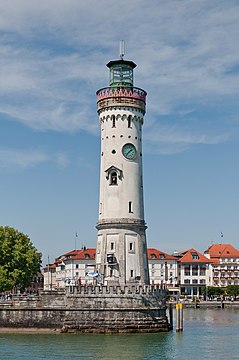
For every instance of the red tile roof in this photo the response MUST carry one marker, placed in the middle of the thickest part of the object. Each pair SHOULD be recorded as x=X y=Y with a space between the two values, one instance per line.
x=188 y=257
x=77 y=255
x=156 y=254
x=222 y=251
x=82 y=254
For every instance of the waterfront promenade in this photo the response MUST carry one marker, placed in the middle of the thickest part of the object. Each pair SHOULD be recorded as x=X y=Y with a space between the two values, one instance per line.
x=207 y=304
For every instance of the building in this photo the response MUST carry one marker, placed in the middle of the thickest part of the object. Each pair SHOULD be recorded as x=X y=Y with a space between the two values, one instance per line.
x=184 y=272
x=121 y=256
x=49 y=273
x=224 y=264
x=194 y=272
x=75 y=264
x=163 y=268
x=72 y=268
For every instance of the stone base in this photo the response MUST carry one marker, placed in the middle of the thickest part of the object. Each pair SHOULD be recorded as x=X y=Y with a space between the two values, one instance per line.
x=104 y=309
x=93 y=309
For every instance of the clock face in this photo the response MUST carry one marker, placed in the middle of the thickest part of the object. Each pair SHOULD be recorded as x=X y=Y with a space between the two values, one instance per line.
x=129 y=151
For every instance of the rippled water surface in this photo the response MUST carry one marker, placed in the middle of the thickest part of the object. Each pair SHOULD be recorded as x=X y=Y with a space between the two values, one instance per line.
x=211 y=334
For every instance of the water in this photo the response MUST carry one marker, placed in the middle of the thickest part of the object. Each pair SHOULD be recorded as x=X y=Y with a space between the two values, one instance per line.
x=211 y=334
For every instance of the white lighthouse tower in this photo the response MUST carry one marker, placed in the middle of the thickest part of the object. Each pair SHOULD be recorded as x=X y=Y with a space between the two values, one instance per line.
x=121 y=255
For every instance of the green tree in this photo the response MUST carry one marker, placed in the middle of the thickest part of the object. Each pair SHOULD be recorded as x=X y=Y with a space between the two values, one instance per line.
x=19 y=259
x=232 y=290
x=211 y=291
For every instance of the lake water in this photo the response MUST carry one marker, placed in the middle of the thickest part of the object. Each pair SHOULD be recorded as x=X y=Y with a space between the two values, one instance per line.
x=211 y=334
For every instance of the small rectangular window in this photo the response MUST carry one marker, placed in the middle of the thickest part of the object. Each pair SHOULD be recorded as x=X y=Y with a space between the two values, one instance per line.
x=77 y=266
x=131 y=273
x=130 y=207
x=113 y=121
x=129 y=121
x=112 y=246
x=130 y=246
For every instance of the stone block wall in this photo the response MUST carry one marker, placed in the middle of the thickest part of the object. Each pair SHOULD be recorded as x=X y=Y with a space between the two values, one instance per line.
x=90 y=309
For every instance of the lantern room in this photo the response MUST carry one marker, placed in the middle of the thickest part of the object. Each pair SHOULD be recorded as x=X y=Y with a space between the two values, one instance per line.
x=121 y=73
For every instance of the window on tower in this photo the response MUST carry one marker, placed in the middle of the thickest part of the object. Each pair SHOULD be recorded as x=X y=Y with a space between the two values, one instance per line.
x=113 y=178
x=130 y=207
x=113 y=120
x=129 y=121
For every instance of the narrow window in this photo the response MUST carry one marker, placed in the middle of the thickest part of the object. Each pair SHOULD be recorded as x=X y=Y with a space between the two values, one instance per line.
x=130 y=246
x=113 y=120
x=113 y=178
x=112 y=246
x=131 y=273
x=111 y=272
x=130 y=207
x=129 y=121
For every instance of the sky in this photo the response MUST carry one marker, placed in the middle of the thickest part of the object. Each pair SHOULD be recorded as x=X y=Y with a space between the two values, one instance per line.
x=52 y=61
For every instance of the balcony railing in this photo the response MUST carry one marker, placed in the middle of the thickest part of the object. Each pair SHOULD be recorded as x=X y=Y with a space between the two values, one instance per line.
x=127 y=92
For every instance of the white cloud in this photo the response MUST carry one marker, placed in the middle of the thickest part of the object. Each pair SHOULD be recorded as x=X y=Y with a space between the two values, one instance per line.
x=15 y=158
x=53 y=55
x=169 y=140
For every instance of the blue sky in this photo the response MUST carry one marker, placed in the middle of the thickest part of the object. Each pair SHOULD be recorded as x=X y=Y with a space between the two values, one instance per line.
x=53 y=56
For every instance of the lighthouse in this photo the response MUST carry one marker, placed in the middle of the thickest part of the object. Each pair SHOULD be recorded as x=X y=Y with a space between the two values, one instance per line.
x=121 y=255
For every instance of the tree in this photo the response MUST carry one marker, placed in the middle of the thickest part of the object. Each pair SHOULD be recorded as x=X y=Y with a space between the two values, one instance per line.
x=232 y=290
x=211 y=291
x=19 y=259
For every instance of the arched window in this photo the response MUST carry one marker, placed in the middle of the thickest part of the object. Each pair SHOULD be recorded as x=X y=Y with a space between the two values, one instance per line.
x=129 y=121
x=113 y=178
x=113 y=120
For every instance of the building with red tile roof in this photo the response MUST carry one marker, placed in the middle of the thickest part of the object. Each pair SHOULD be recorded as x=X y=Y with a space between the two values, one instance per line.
x=194 y=272
x=162 y=268
x=75 y=264
x=188 y=270
x=225 y=264
x=70 y=268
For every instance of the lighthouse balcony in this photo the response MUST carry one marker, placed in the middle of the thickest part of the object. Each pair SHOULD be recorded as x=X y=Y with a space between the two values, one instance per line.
x=122 y=91
x=123 y=96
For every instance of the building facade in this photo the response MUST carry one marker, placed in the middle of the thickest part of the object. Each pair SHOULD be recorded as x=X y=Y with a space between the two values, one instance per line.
x=76 y=267
x=163 y=268
x=194 y=272
x=183 y=273
x=224 y=265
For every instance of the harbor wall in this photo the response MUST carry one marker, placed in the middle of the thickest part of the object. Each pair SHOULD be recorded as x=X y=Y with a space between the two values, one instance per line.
x=90 y=309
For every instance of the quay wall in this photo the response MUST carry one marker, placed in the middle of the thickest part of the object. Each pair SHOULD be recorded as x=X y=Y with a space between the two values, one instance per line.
x=208 y=304
x=90 y=309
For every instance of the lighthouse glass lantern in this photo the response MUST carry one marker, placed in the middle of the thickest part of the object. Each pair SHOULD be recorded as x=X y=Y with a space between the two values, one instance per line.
x=121 y=72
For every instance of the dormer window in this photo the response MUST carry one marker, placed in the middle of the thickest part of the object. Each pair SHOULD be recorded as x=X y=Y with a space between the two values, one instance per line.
x=87 y=256
x=194 y=255
x=161 y=256
x=153 y=256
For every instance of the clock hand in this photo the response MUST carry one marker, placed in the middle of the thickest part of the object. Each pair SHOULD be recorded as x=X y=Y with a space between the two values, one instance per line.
x=129 y=152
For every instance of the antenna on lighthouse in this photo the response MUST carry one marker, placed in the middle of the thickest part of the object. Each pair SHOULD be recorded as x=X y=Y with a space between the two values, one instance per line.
x=121 y=49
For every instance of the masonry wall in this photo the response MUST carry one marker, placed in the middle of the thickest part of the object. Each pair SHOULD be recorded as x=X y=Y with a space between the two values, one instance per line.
x=90 y=309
